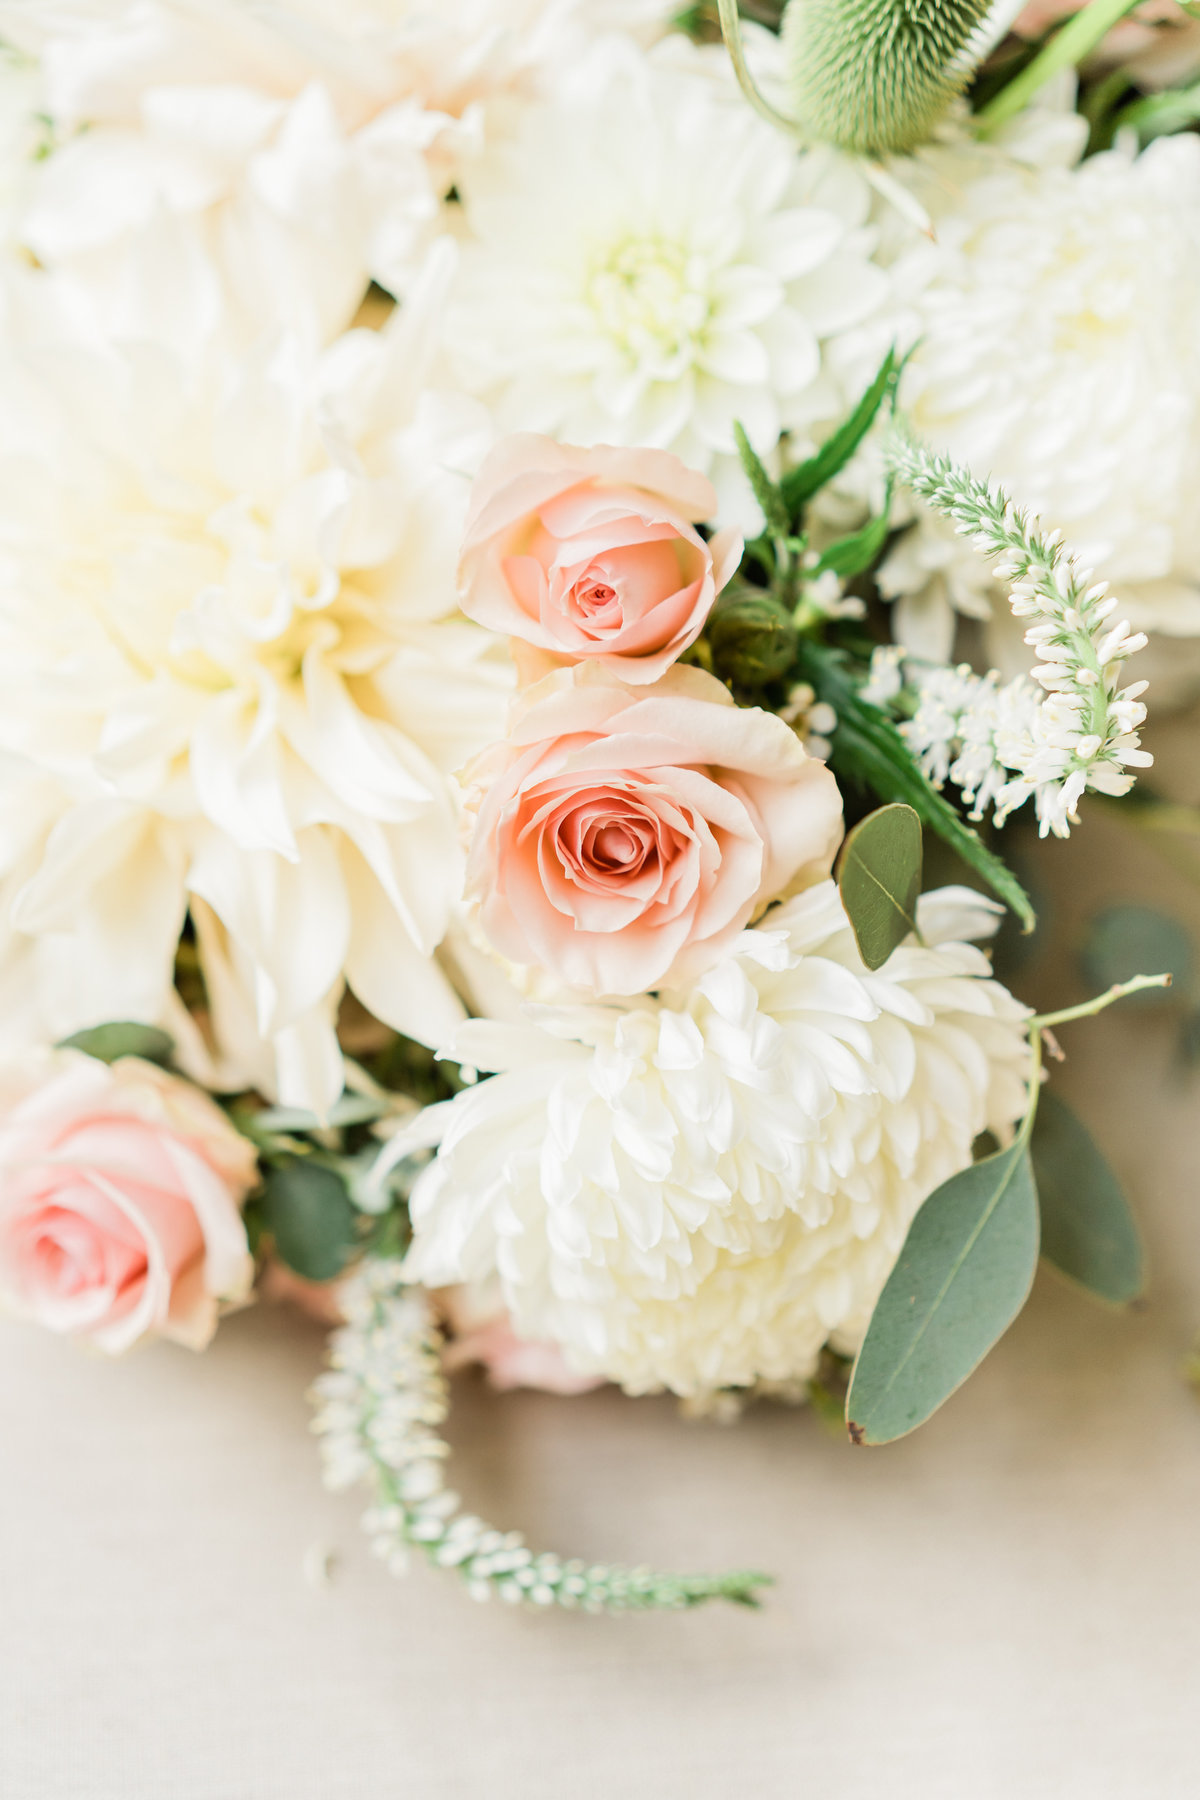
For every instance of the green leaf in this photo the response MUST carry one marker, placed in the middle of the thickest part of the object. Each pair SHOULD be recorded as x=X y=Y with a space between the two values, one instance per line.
x=1126 y=940
x=1088 y=1231
x=308 y=1212
x=868 y=750
x=851 y=555
x=807 y=478
x=963 y=1276
x=765 y=490
x=879 y=878
x=122 y=1037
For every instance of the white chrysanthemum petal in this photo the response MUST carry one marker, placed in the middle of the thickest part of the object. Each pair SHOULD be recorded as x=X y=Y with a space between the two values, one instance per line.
x=718 y=1180
x=1057 y=354
x=645 y=262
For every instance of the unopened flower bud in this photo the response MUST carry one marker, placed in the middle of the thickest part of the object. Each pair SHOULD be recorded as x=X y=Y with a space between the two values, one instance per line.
x=753 y=638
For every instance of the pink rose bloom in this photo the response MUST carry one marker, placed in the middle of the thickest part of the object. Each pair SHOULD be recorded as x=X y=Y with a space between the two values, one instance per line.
x=625 y=835
x=120 y=1203
x=487 y=1337
x=593 y=554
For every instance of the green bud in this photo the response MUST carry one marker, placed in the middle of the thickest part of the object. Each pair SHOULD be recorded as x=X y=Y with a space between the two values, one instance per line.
x=753 y=638
x=875 y=76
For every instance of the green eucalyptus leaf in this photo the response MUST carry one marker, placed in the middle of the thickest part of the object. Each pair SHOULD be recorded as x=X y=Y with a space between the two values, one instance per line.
x=879 y=878
x=1123 y=941
x=122 y=1037
x=309 y=1214
x=963 y=1276
x=807 y=478
x=1088 y=1232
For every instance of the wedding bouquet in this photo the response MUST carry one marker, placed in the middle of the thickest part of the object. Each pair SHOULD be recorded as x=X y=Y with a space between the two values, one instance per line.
x=521 y=521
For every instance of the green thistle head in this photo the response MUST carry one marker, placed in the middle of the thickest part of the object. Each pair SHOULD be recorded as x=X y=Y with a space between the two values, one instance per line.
x=876 y=75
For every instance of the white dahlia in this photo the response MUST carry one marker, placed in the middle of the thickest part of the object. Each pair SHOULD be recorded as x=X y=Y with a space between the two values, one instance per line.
x=1056 y=315
x=259 y=164
x=647 y=262
x=232 y=679
x=701 y=1189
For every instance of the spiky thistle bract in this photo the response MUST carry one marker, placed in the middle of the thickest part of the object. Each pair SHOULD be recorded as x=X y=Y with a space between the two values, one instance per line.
x=875 y=76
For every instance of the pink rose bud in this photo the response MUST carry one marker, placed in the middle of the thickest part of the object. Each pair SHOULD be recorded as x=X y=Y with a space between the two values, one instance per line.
x=624 y=836
x=593 y=554
x=120 y=1203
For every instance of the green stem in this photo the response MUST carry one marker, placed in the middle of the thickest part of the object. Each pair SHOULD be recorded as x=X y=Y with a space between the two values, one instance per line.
x=731 y=31
x=1065 y=50
x=1088 y=1008
x=1035 y=1079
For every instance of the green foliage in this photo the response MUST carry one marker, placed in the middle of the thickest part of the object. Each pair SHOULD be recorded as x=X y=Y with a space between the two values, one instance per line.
x=1122 y=940
x=306 y=1209
x=876 y=76
x=879 y=878
x=868 y=751
x=765 y=490
x=1157 y=115
x=122 y=1037
x=807 y=478
x=963 y=1276
x=1066 y=49
x=1088 y=1232
x=858 y=551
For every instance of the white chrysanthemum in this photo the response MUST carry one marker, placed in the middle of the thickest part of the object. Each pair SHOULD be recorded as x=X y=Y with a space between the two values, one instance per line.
x=647 y=262
x=1058 y=353
x=702 y=1190
x=257 y=165
x=232 y=678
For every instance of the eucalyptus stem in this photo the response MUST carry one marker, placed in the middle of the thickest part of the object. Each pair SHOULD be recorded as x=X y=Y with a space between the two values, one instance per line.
x=1088 y=1008
x=1067 y=48
x=731 y=31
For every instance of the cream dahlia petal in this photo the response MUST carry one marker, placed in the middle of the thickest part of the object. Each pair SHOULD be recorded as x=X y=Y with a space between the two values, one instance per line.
x=234 y=680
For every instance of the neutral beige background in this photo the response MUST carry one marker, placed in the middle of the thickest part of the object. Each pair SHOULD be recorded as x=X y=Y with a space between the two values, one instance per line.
x=1004 y=1607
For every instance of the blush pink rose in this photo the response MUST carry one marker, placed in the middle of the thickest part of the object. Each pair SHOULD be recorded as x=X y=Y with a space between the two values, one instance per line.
x=120 y=1203
x=485 y=1336
x=623 y=836
x=593 y=554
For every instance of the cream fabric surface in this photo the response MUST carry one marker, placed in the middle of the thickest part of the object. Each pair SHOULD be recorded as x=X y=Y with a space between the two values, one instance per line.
x=1004 y=1607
